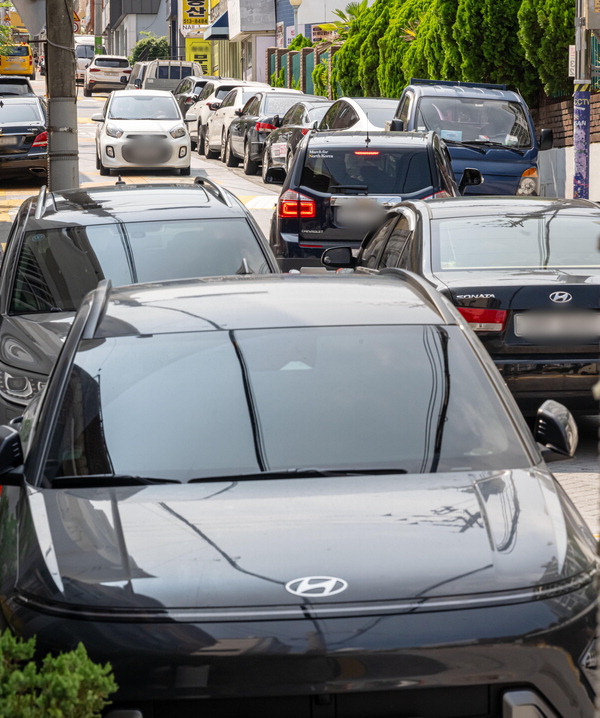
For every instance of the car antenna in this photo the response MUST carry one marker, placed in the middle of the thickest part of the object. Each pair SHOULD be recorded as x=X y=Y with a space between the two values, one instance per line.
x=367 y=138
x=119 y=181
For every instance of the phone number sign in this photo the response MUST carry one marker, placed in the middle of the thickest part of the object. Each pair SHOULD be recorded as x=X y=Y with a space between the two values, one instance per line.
x=194 y=14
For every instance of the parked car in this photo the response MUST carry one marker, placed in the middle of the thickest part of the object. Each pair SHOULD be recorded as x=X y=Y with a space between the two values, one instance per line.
x=104 y=73
x=188 y=90
x=525 y=274
x=85 y=49
x=485 y=126
x=358 y=114
x=251 y=125
x=23 y=136
x=161 y=74
x=282 y=142
x=219 y=121
x=17 y=60
x=141 y=129
x=406 y=552
x=11 y=85
x=63 y=243
x=341 y=183
x=207 y=102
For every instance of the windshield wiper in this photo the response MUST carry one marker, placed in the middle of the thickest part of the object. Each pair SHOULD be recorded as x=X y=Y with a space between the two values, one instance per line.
x=297 y=474
x=491 y=143
x=98 y=480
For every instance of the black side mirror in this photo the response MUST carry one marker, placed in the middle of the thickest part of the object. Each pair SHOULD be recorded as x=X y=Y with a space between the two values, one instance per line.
x=138 y=83
x=556 y=430
x=239 y=113
x=470 y=178
x=274 y=175
x=338 y=258
x=214 y=105
x=276 y=121
x=397 y=125
x=123 y=79
x=546 y=139
x=11 y=454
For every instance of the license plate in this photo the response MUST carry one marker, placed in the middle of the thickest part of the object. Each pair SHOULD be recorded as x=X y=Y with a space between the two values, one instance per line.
x=8 y=141
x=359 y=214
x=558 y=324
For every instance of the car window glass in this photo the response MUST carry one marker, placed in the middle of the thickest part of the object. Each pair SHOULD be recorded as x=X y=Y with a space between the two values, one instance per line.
x=396 y=243
x=341 y=117
x=404 y=112
x=222 y=92
x=84 y=51
x=17 y=51
x=111 y=62
x=330 y=116
x=20 y=112
x=208 y=90
x=287 y=119
x=247 y=95
x=229 y=100
x=276 y=104
x=143 y=107
x=13 y=88
x=371 y=250
x=316 y=114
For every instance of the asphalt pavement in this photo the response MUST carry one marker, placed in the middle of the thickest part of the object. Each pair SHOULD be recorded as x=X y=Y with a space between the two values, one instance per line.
x=579 y=476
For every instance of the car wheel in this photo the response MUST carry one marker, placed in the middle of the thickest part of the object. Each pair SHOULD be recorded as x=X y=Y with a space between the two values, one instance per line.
x=250 y=165
x=230 y=159
x=185 y=171
x=200 y=140
x=32 y=76
x=87 y=92
x=265 y=166
x=104 y=171
x=208 y=153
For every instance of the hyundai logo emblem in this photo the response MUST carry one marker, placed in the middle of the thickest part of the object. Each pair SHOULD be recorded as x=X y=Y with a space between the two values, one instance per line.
x=316 y=586
x=561 y=297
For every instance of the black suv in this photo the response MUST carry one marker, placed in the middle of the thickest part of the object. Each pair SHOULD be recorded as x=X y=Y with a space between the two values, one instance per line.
x=63 y=243
x=340 y=184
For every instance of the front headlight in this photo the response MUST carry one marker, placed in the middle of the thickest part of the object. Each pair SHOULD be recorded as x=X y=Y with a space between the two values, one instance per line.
x=113 y=131
x=177 y=132
x=18 y=387
x=529 y=184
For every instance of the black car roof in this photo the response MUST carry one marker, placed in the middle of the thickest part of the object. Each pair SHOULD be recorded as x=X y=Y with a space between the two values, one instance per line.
x=377 y=139
x=109 y=204
x=269 y=301
x=488 y=205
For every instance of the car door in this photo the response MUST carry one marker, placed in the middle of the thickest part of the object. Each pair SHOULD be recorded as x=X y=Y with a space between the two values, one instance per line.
x=279 y=139
x=373 y=244
x=215 y=121
x=241 y=125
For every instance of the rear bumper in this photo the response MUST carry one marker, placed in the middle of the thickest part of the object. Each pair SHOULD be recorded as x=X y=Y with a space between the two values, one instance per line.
x=105 y=85
x=22 y=164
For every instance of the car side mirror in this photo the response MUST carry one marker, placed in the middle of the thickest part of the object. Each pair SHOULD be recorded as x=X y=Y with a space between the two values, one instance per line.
x=471 y=177
x=274 y=175
x=239 y=113
x=546 y=139
x=214 y=105
x=98 y=117
x=315 y=125
x=556 y=430
x=397 y=125
x=11 y=454
x=338 y=258
x=276 y=121
x=123 y=79
x=137 y=83
x=190 y=117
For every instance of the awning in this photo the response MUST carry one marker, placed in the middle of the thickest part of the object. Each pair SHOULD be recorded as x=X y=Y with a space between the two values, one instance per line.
x=219 y=29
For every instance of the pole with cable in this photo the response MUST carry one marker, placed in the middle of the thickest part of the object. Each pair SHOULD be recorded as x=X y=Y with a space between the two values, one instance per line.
x=581 y=105
x=63 y=157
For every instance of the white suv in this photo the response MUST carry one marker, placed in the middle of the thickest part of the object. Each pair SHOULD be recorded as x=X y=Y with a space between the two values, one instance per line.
x=105 y=73
x=208 y=100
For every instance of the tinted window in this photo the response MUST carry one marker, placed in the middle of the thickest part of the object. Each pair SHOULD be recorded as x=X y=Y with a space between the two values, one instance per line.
x=84 y=51
x=15 y=113
x=14 y=88
x=278 y=105
x=222 y=92
x=117 y=425
x=206 y=91
x=173 y=72
x=516 y=241
x=371 y=250
x=58 y=267
x=466 y=120
x=143 y=107
x=396 y=243
x=110 y=62
x=229 y=100
x=17 y=51
x=386 y=171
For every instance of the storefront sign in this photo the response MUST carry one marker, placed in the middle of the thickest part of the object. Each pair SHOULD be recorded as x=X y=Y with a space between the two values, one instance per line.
x=198 y=50
x=194 y=16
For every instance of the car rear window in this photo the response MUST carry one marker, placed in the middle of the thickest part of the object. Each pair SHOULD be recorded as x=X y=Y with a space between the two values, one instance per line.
x=387 y=171
x=14 y=88
x=379 y=115
x=20 y=113
x=111 y=62
x=84 y=51
x=173 y=72
x=58 y=267
x=275 y=105
x=17 y=51
x=221 y=92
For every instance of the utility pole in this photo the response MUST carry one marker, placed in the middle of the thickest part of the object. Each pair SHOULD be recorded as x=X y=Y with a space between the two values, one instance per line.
x=63 y=162
x=581 y=104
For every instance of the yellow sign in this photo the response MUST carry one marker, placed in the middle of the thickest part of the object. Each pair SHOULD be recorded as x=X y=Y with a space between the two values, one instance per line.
x=194 y=12
x=199 y=51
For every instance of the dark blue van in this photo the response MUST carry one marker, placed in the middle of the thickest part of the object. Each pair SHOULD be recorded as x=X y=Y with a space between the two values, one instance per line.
x=484 y=126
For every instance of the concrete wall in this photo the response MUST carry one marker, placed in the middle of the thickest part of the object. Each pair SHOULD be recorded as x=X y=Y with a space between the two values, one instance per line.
x=556 y=172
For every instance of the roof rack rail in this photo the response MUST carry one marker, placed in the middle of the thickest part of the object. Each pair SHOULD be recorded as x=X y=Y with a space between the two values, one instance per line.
x=452 y=83
x=425 y=290
x=214 y=188
x=100 y=297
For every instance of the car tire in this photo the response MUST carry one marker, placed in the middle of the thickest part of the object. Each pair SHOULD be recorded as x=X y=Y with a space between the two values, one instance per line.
x=265 y=166
x=250 y=165
x=230 y=159
x=208 y=153
x=32 y=76
x=185 y=171
x=87 y=92
x=104 y=171
x=200 y=146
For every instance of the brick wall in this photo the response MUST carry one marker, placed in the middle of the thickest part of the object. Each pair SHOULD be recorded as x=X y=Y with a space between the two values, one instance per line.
x=557 y=115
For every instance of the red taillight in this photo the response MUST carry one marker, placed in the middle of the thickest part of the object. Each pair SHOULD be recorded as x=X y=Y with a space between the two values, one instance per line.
x=484 y=320
x=188 y=101
x=94 y=69
x=127 y=72
x=305 y=130
x=293 y=204
x=264 y=127
x=367 y=153
x=41 y=140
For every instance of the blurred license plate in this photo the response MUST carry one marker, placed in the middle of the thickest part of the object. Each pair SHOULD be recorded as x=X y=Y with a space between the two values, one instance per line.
x=363 y=215
x=558 y=324
x=8 y=141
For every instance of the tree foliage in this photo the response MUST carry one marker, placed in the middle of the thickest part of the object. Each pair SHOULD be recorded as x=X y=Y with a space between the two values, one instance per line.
x=375 y=25
x=68 y=685
x=347 y=57
x=150 y=47
x=320 y=78
x=299 y=42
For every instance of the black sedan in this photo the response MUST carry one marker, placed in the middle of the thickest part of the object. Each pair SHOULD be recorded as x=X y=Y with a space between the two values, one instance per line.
x=63 y=243
x=525 y=274
x=211 y=496
x=188 y=91
x=23 y=136
x=282 y=142
x=252 y=124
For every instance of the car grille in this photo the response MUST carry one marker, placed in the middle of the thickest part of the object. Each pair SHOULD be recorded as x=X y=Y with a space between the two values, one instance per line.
x=146 y=138
x=144 y=152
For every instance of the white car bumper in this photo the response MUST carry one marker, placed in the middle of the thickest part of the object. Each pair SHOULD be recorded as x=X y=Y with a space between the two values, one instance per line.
x=135 y=154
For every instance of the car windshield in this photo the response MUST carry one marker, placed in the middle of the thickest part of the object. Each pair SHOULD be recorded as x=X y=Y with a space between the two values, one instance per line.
x=17 y=51
x=143 y=107
x=279 y=104
x=316 y=114
x=14 y=88
x=379 y=114
x=15 y=113
x=111 y=62
x=475 y=120
x=385 y=171
x=514 y=241
x=59 y=266
x=84 y=51
x=305 y=398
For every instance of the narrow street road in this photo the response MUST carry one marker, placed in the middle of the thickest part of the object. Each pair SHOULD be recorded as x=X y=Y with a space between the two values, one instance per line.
x=579 y=476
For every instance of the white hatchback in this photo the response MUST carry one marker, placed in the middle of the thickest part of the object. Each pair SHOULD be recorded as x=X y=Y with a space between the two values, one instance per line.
x=104 y=73
x=141 y=129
